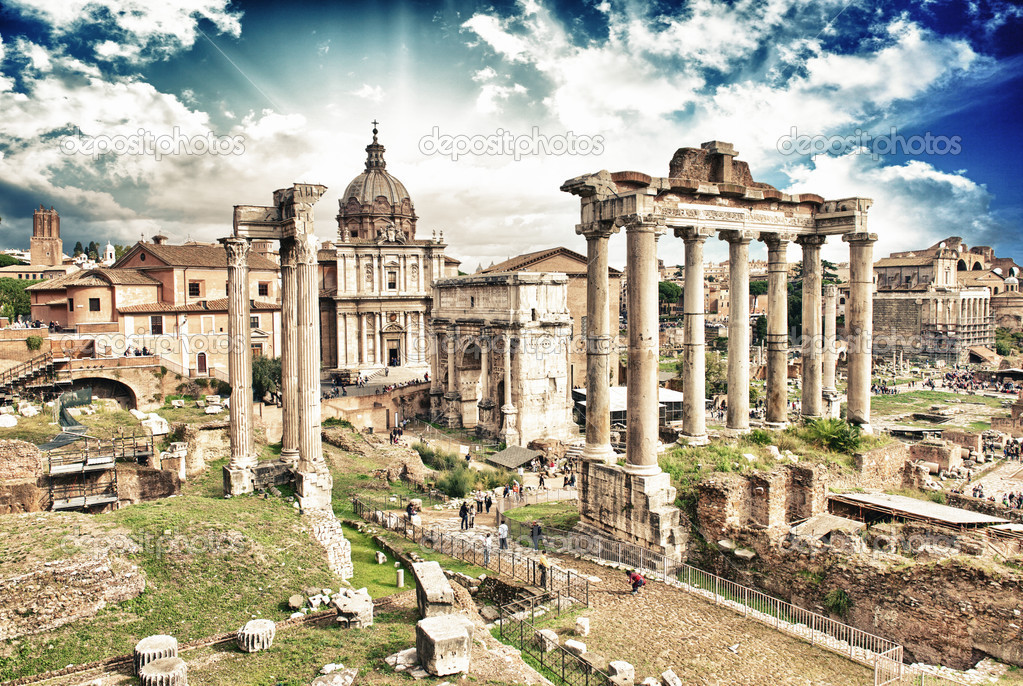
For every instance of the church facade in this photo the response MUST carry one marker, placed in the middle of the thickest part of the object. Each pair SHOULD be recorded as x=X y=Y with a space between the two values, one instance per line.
x=376 y=278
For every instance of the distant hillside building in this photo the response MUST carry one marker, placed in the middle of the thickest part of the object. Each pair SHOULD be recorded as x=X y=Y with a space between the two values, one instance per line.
x=931 y=304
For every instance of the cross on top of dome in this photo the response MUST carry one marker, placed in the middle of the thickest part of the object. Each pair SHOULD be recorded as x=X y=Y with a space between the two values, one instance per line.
x=375 y=152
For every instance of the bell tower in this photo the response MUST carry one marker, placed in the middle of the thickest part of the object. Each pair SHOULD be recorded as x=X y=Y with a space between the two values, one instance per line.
x=46 y=248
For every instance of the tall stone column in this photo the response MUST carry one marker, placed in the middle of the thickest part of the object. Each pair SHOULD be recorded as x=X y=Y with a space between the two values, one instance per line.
x=598 y=342
x=238 y=472
x=738 y=329
x=437 y=373
x=289 y=351
x=312 y=481
x=642 y=415
x=452 y=397
x=510 y=429
x=812 y=404
x=694 y=382
x=830 y=338
x=777 y=328
x=860 y=325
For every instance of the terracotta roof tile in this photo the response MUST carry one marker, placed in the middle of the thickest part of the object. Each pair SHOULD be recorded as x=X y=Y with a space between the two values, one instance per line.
x=202 y=255
x=218 y=305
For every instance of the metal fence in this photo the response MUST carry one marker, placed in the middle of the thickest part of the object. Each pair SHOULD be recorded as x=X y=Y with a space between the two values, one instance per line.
x=518 y=627
x=510 y=563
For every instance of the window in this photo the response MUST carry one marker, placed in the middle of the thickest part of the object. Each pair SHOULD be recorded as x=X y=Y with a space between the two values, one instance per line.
x=156 y=325
x=254 y=321
x=70 y=304
x=257 y=349
x=194 y=289
x=392 y=279
x=264 y=289
x=93 y=304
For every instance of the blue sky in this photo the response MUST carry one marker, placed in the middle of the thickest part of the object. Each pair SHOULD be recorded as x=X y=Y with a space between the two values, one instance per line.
x=286 y=91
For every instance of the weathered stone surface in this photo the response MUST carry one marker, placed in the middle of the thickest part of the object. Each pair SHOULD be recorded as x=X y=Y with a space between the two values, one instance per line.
x=153 y=648
x=621 y=673
x=402 y=660
x=669 y=678
x=575 y=647
x=256 y=635
x=444 y=644
x=328 y=532
x=340 y=677
x=19 y=460
x=167 y=671
x=381 y=558
x=547 y=640
x=354 y=608
x=582 y=626
x=296 y=602
x=434 y=594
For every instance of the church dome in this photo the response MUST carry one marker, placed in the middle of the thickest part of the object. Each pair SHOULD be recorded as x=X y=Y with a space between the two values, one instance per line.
x=375 y=182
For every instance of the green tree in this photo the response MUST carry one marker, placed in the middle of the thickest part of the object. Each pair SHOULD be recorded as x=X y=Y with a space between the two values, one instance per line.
x=78 y=249
x=7 y=261
x=120 y=250
x=668 y=292
x=758 y=288
x=716 y=374
x=266 y=375
x=760 y=330
x=13 y=298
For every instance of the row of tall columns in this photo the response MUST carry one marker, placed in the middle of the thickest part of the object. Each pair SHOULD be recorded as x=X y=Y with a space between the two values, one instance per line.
x=289 y=351
x=642 y=408
x=694 y=382
x=598 y=342
x=238 y=473
x=312 y=479
x=859 y=324
x=813 y=343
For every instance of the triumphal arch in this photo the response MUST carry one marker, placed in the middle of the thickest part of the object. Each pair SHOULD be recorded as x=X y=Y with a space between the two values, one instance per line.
x=706 y=193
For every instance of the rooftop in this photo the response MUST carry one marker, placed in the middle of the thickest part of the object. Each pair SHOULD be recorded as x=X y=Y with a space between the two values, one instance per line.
x=902 y=506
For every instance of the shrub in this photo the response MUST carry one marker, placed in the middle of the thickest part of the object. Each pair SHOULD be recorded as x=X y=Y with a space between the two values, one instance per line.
x=937 y=497
x=835 y=435
x=838 y=602
x=456 y=483
x=337 y=421
x=760 y=437
x=34 y=342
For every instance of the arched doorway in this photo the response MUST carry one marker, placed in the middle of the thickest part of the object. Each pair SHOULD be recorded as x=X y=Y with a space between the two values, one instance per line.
x=110 y=389
x=200 y=363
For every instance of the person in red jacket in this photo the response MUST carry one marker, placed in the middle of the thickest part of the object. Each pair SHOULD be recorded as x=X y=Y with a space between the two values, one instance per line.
x=637 y=581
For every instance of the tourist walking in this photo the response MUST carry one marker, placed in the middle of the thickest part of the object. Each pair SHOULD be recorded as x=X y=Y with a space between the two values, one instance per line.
x=472 y=517
x=502 y=536
x=544 y=565
x=536 y=534
x=487 y=542
x=463 y=512
x=487 y=502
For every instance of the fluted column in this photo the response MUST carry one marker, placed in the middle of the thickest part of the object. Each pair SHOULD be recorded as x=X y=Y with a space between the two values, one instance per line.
x=830 y=357
x=641 y=410
x=694 y=382
x=238 y=472
x=598 y=342
x=777 y=329
x=289 y=351
x=859 y=323
x=738 y=329
x=313 y=481
x=510 y=429
x=811 y=402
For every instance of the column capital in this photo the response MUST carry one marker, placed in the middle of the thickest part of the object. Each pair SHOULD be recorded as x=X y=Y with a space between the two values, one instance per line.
x=597 y=229
x=777 y=240
x=830 y=290
x=288 y=253
x=692 y=233
x=859 y=237
x=811 y=240
x=742 y=236
x=237 y=251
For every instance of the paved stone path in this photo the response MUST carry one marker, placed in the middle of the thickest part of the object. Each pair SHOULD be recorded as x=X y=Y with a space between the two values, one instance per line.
x=1005 y=478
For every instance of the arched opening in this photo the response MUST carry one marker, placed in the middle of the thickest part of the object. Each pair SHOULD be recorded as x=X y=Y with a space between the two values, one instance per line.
x=961 y=266
x=109 y=388
x=200 y=363
x=978 y=267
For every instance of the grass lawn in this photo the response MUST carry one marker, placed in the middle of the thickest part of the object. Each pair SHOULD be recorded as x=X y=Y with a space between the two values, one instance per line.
x=561 y=515
x=105 y=423
x=915 y=401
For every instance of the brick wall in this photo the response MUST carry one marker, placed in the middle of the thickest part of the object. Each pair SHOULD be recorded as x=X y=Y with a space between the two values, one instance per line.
x=882 y=467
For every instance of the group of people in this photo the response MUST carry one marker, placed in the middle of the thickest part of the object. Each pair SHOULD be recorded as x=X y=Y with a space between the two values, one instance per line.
x=396 y=434
x=883 y=389
x=136 y=351
x=31 y=324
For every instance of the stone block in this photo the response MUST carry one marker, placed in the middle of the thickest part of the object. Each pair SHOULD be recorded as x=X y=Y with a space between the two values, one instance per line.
x=650 y=681
x=434 y=595
x=256 y=635
x=153 y=648
x=582 y=626
x=167 y=671
x=745 y=554
x=547 y=640
x=340 y=677
x=296 y=602
x=444 y=644
x=381 y=558
x=621 y=673
x=354 y=608
x=669 y=678
x=575 y=647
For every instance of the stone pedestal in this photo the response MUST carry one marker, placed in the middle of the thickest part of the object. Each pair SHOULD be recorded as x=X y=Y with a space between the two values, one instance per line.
x=444 y=644
x=354 y=608
x=256 y=635
x=168 y=671
x=153 y=648
x=434 y=595
x=633 y=508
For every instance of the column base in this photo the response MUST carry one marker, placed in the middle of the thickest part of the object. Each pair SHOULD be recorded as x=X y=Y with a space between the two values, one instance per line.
x=642 y=469
x=702 y=439
x=238 y=481
x=603 y=453
x=731 y=432
x=634 y=508
x=313 y=490
x=866 y=428
x=775 y=426
x=807 y=417
x=290 y=456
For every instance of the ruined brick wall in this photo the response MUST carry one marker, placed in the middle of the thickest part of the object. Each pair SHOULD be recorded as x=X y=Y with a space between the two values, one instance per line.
x=942 y=613
x=768 y=499
x=898 y=322
x=206 y=443
x=942 y=453
x=137 y=483
x=987 y=507
x=882 y=467
x=57 y=593
x=963 y=439
x=807 y=491
x=27 y=495
x=20 y=460
x=723 y=505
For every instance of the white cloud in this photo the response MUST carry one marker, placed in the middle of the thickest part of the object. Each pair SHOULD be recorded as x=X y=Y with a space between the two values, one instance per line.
x=485 y=74
x=108 y=50
x=371 y=93
x=491 y=95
